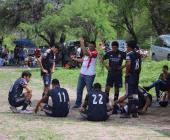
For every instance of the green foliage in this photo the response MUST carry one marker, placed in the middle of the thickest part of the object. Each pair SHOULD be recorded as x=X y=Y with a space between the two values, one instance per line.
x=44 y=21
x=89 y=18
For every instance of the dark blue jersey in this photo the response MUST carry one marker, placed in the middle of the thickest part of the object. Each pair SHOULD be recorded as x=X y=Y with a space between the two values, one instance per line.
x=17 y=87
x=60 y=100
x=48 y=59
x=135 y=59
x=115 y=59
x=97 y=108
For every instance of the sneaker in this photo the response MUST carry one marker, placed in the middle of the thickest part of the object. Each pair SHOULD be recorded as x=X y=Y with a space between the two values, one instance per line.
x=26 y=111
x=76 y=106
x=14 y=109
x=125 y=116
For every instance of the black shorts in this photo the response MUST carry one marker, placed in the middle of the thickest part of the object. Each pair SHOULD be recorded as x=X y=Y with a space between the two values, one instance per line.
x=46 y=79
x=49 y=111
x=17 y=101
x=131 y=85
x=114 y=80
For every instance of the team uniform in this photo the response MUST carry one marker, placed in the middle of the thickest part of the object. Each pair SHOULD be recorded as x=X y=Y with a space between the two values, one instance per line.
x=114 y=76
x=16 y=96
x=132 y=80
x=60 y=100
x=48 y=59
x=97 y=108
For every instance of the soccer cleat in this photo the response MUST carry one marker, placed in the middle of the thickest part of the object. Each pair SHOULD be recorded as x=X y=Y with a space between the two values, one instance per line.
x=26 y=111
x=14 y=109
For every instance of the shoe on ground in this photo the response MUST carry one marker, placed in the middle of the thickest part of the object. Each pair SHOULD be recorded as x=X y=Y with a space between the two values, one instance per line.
x=26 y=111
x=14 y=109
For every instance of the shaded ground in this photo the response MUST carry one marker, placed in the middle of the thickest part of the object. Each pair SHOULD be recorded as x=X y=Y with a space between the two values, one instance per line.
x=153 y=126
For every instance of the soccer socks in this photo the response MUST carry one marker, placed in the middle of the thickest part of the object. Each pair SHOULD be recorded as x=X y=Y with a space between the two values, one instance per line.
x=116 y=95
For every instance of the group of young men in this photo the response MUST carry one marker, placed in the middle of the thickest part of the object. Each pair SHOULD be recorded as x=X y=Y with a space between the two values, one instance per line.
x=96 y=106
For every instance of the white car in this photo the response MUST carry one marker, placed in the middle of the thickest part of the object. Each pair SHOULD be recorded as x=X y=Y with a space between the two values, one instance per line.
x=161 y=48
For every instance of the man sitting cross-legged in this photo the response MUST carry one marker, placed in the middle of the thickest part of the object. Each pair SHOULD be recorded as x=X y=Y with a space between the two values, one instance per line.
x=18 y=98
x=95 y=107
x=60 y=101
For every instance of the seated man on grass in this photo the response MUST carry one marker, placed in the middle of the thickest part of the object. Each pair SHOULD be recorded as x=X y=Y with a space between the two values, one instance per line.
x=161 y=83
x=60 y=101
x=145 y=100
x=95 y=107
x=18 y=98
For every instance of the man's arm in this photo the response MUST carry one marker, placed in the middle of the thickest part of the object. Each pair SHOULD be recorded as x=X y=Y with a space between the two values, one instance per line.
x=28 y=89
x=39 y=103
x=128 y=65
x=121 y=99
x=85 y=104
x=84 y=49
x=53 y=68
x=39 y=60
x=147 y=104
x=102 y=61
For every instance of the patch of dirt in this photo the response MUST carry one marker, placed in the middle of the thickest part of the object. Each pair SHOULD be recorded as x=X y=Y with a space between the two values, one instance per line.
x=155 y=125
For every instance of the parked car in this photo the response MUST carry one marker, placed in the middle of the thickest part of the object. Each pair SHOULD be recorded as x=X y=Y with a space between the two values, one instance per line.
x=160 y=50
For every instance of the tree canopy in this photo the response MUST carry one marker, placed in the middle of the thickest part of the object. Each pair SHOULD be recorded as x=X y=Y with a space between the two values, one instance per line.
x=46 y=21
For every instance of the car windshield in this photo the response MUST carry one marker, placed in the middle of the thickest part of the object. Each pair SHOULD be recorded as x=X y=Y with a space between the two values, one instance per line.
x=167 y=40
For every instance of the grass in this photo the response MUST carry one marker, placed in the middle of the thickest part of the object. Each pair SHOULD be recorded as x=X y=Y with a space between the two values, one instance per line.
x=25 y=127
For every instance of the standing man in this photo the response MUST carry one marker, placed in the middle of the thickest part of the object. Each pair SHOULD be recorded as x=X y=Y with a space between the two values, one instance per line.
x=133 y=68
x=88 y=69
x=114 y=76
x=47 y=66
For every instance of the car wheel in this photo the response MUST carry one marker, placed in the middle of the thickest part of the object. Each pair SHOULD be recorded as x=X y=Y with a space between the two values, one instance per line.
x=168 y=57
x=154 y=57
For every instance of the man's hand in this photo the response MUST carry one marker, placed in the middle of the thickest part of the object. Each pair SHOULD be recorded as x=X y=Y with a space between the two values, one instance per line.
x=44 y=71
x=36 y=110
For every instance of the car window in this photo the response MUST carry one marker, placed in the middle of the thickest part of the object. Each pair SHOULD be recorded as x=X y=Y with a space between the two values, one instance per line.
x=159 y=42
